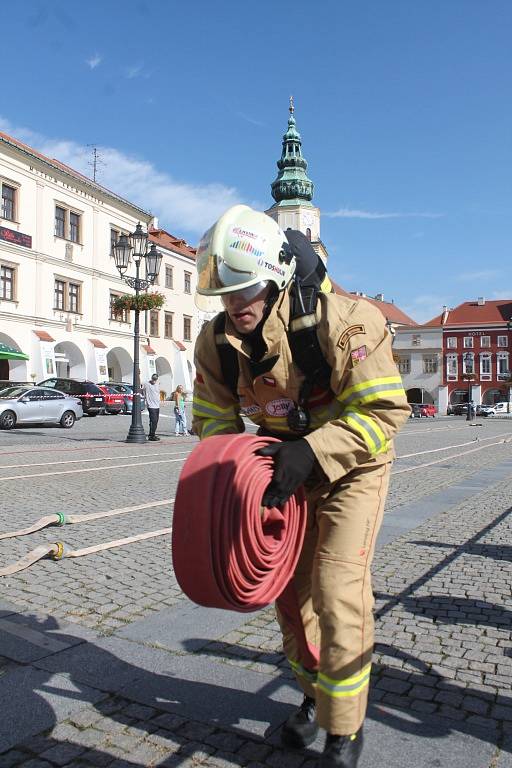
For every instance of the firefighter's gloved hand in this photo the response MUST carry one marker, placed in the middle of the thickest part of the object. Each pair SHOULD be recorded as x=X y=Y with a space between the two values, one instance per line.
x=293 y=462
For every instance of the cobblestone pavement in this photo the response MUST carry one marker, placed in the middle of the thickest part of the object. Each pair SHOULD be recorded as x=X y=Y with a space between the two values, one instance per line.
x=443 y=589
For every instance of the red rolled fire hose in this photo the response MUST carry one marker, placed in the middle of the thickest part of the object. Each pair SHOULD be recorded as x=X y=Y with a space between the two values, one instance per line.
x=228 y=551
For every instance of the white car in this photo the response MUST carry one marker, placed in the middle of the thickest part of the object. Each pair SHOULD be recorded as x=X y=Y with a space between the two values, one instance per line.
x=37 y=405
x=495 y=410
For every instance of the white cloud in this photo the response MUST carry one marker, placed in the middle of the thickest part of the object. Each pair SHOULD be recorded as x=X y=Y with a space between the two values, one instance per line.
x=484 y=274
x=354 y=213
x=250 y=119
x=133 y=71
x=425 y=306
x=94 y=61
x=180 y=206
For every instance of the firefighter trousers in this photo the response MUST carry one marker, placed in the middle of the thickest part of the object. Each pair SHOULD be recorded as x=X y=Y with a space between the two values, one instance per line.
x=333 y=586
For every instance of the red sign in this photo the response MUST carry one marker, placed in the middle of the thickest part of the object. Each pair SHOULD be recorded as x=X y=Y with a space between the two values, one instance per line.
x=18 y=238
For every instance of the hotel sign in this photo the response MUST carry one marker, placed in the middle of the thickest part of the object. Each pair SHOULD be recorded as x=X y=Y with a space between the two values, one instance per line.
x=18 y=238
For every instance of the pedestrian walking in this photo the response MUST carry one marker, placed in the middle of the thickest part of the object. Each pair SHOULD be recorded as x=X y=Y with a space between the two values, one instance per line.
x=316 y=370
x=151 y=391
x=180 y=423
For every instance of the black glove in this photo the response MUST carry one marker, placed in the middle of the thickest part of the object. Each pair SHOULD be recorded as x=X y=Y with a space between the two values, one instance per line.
x=293 y=462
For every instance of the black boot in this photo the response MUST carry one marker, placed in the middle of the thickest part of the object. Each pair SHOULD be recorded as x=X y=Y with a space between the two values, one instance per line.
x=301 y=728
x=342 y=751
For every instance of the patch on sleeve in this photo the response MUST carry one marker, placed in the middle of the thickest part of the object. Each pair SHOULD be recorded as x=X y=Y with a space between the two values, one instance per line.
x=358 y=355
x=352 y=330
x=199 y=378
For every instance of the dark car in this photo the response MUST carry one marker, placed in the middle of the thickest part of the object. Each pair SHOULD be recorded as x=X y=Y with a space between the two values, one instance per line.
x=126 y=390
x=89 y=394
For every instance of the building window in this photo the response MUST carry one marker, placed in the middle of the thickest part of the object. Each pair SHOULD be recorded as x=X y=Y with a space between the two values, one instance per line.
x=468 y=342
x=308 y=233
x=404 y=365
x=502 y=365
x=153 y=323
x=168 y=276
x=502 y=341
x=114 y=237
x=168 y=325
x=67 y=296
x=59 y=294
x=468 y=363
x=187 y=328
x=8 y=202
x=74 y=227
x=73 y=297
x=60 y=222
x=485 y=367
x=187 y=276
x=485 y=341
x=121 y=315
x=7 y=275
x=67 y=224
x=416 y=340
x=452 y=366
x=451 y=342
x=430 y=364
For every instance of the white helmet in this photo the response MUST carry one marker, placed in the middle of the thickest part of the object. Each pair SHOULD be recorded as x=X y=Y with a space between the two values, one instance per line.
x=243 y=248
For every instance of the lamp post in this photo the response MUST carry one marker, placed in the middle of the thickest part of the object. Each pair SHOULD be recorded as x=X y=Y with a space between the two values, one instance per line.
x=127 y=247
x=468 y=357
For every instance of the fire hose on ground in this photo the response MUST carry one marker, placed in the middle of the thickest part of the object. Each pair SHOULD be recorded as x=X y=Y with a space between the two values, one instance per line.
x=228 y=551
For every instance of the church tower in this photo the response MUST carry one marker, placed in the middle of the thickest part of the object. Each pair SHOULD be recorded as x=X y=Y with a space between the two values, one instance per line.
x=292 y=190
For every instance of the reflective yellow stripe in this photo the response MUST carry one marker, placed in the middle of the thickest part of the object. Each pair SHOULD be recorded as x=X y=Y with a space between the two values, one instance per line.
x=368 y=428
x=212 y=426
x=350 y=686
x=204 y=408
x=301 y=671
x=385 y=384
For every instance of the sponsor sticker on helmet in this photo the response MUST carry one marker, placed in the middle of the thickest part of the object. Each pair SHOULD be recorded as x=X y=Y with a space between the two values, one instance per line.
x=279 y=407
x=271 y=267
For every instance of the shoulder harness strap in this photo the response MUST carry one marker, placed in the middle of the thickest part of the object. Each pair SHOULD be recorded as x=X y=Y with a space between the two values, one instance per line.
x=227 y=355
x=303 y=339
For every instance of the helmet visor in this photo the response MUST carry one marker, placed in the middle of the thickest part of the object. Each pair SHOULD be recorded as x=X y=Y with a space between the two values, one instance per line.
x=216 y=275
x=246 y=294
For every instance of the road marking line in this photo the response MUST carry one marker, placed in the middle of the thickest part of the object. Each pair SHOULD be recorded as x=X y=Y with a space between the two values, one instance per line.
x=447 y=458
x=90 y=469
x=447 y=447
x=100 y=458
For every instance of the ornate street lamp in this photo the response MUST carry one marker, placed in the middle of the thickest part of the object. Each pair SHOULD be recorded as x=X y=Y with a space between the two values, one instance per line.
x=468 y=358
x=128 y=247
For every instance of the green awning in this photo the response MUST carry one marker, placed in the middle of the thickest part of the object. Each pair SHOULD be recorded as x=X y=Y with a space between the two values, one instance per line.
x=10 y=353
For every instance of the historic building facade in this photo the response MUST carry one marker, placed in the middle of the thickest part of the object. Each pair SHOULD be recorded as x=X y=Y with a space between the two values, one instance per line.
x=462 y=353
x=58 y=278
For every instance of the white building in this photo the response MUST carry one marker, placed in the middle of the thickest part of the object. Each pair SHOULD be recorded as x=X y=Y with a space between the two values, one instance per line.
x=57 y=279
x=419 y=353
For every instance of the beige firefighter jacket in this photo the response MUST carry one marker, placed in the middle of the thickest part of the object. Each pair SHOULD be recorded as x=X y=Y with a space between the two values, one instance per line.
x=352 y=424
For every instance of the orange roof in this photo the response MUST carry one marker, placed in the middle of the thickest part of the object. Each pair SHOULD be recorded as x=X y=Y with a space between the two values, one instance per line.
x=390 y=311
x=472 y=313
x=166 y=240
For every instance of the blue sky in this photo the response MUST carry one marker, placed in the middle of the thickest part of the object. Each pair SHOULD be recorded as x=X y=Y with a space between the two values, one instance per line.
x=405 y=112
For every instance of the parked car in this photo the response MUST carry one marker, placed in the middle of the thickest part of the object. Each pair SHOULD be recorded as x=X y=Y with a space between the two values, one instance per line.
x=422 y=409
x=126 y=390
x=496 y=409
x=114 y=402
x=37 y=405
x=459 y=409
x=90 y=395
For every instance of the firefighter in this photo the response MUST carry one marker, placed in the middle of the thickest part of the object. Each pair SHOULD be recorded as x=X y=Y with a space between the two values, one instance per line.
x=336 y=440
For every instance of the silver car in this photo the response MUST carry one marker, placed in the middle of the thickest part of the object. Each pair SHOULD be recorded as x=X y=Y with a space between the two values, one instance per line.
x=37 y=405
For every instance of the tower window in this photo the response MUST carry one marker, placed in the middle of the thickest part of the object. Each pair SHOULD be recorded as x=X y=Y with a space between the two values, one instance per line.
x=308 y=233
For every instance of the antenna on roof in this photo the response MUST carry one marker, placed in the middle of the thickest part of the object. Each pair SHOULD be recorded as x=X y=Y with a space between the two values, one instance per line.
x=95 y=162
